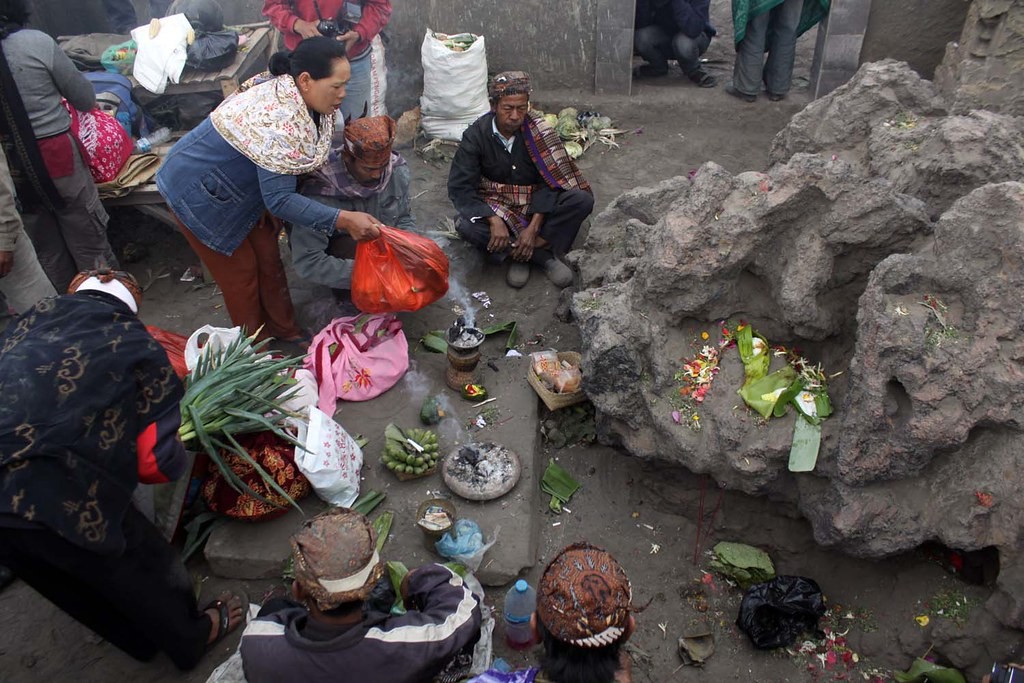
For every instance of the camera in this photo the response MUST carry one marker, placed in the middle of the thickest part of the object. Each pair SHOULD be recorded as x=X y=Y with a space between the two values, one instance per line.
x=1003 y=673
x=329 y=28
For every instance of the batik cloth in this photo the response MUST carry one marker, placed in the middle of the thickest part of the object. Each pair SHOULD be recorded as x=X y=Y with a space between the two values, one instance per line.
x=80 y=377
x=584 y=597
x=370 y=139
x=559 y=171
x=269 y=123
x=743 y=10
x=509 y=83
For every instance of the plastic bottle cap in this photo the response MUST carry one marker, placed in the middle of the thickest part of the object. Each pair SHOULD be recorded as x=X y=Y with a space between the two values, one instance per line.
x=522 y=586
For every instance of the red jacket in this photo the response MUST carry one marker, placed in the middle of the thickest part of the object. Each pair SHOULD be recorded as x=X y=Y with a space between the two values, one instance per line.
x=283 y=14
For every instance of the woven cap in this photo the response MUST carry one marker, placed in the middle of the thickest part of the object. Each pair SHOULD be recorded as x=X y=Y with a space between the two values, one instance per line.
x=336 y=558
x=584 y=597
x=509 y=83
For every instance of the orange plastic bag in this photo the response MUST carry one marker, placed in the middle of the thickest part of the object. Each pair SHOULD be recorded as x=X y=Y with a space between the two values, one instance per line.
x=398 y=271
x=174 y=345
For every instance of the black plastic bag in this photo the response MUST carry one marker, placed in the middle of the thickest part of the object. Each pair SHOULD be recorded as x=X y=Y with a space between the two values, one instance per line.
x=773 y=614
x=203 y=15
x=212 y=51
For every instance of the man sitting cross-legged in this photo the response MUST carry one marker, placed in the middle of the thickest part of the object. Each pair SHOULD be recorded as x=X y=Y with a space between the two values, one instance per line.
x=517 y=192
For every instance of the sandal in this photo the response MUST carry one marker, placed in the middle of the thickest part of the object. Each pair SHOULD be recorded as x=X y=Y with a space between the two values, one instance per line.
x=221 y=604
x=702 y=78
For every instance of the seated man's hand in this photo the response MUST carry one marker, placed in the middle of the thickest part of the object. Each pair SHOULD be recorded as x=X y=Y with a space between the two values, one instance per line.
x=360 y=226
x=499 y=235
x=524 y=245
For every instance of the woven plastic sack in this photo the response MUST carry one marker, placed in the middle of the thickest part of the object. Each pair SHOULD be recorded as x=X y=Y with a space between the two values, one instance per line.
x=454 y=87
x=398 y=271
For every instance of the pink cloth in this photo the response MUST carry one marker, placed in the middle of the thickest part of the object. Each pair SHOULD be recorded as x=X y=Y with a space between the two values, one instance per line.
x=357 y=358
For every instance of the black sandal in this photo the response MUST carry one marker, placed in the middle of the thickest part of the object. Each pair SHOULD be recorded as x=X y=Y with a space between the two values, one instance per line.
x=702 y=78
x=224 y=614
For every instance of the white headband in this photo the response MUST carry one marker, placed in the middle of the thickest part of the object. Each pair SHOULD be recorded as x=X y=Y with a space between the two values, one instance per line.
x=350 y=583
x=115 y=288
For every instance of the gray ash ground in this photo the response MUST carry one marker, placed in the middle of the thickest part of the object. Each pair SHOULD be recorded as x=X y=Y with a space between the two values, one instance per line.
x=481 y=471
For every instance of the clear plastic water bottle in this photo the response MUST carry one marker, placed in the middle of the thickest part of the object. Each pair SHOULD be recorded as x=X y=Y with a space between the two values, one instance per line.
x=146 y=144
x=520 y=602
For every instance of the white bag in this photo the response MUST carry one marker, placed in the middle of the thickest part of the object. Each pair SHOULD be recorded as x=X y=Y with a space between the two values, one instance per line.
x=454 y=87
x=331 y=459
x=378 y=78
x=219 y=339
x=162 y=57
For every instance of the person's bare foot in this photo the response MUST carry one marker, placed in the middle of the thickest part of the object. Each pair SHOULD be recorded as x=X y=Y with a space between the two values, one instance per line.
x=227 y=606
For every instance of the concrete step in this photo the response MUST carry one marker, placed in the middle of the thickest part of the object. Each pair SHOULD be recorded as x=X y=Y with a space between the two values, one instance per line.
x=258 y=550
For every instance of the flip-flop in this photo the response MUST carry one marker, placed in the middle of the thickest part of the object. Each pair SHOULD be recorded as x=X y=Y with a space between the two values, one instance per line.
x=224 y=614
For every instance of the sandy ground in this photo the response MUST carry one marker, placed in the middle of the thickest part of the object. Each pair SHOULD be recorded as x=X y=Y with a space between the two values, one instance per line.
x=646 y=515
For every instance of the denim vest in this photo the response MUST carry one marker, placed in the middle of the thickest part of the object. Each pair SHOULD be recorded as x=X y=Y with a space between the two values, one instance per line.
x=218 y=193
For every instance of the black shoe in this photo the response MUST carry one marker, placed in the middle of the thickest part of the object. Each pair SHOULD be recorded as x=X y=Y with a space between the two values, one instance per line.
x=741 y=95
x=648 y=71
x=6 y=577
x=702 y=78
x=776 y=96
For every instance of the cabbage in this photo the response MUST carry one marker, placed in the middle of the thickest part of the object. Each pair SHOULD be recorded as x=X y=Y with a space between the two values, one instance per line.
x=567 y=128
x=552 y=119
x=574 y=149
x=599 y=123
x=568 y=112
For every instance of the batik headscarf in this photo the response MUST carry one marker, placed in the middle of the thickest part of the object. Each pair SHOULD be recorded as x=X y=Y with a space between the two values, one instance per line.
x=367 y=139
x=336 y=559
x=271 y=125
x=509 y=83
x=584 y=597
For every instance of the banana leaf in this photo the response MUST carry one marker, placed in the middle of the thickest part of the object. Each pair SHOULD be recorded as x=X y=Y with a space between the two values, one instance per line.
x=922 y=671
x=382 y=527
x=397 y=572
x=558 y=484
x=803 y=454
x=755 y=366
x=436 y=342
x=763 y=393
x=366 y=503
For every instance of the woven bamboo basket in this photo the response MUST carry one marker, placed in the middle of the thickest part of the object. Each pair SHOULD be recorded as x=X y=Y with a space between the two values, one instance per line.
x=553 y=400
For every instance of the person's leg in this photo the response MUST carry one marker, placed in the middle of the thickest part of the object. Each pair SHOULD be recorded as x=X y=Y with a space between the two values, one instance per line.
x=563 y=224
x=687 y=52
x=479 y=235
x=238 y=278
x=51 y=252
x=275 y=300
x=746 y=73
x=83 y=220
x=778 y=68
x=358 y=90
x=342 y=246
x=27 y=282
x=651 y=43
x=121 y=14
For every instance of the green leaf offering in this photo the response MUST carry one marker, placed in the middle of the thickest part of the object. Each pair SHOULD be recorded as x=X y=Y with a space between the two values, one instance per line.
x=923 y=671
x=558 y=484
x=382 y=527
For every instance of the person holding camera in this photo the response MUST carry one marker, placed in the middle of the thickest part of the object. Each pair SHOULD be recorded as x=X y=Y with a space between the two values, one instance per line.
x=357 y=23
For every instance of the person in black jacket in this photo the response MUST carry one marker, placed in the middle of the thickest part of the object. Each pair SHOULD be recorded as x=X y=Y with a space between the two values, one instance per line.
x=517 y=192
x=673 y=29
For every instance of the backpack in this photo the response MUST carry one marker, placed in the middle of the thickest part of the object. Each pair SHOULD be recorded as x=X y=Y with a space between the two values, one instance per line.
x=114 y=96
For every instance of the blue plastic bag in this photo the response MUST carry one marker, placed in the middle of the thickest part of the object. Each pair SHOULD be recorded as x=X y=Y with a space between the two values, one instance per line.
x=467 y=545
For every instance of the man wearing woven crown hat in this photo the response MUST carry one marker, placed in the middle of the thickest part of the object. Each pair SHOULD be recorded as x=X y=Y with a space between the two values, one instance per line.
x=362 y=174
x=518 y=194
x=583 y=617
x=327 y=633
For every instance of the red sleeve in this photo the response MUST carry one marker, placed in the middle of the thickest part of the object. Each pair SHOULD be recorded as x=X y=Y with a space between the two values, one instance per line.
x=376 y=14
x=281 y=16
x=160 y=454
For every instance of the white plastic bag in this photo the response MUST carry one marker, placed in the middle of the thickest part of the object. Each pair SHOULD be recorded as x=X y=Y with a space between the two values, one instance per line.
x=454 y=87
x=161 y=58
x=219 y=338
x=331 y=459
x=378 y=78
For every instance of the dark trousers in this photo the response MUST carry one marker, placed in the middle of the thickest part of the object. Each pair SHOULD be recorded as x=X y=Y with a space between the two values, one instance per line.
x=122 y=17
x=559 y=229
x=140 y=600
x=773 y=31
x=657 y=46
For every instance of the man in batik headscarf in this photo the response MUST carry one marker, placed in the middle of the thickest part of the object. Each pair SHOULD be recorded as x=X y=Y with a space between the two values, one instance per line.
x=362 y=174
x=88 y=410
x=329 y=632
x=583 y=617
x=517 y=192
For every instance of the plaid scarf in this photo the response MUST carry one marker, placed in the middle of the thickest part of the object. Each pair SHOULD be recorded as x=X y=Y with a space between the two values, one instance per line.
x=559 y=171
x=333 y=179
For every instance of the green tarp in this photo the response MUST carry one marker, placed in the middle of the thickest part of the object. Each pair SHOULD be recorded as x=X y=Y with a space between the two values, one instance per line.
x=743 y=10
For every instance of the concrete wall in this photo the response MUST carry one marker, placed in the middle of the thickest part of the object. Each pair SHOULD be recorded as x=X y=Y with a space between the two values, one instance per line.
x=915 y=31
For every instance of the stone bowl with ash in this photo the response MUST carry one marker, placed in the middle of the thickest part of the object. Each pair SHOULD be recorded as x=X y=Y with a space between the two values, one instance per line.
x=481 y=471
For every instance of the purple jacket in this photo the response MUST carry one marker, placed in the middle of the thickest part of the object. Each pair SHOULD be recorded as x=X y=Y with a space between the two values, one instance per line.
x=408 y=649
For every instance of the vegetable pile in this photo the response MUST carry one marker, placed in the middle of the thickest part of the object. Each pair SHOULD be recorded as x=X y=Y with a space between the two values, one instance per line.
x=460 y=42
x=410 y=452
x=580 y=130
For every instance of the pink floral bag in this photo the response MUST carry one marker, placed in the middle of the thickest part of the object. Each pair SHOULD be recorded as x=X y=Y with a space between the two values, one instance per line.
x=357 y=358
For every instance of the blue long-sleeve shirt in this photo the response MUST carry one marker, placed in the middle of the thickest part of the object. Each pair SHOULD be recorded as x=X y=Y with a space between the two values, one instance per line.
x=691 y=17
x=219 y=193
